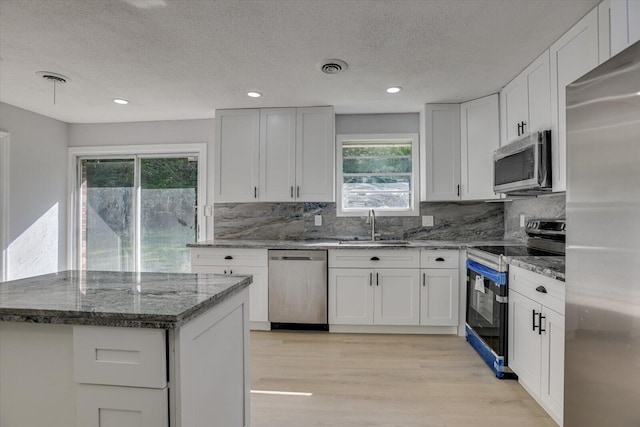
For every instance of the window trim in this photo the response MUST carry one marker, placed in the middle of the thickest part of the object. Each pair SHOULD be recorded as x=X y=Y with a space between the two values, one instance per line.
x=124 y=151
x=4 y=204
x=415 y=173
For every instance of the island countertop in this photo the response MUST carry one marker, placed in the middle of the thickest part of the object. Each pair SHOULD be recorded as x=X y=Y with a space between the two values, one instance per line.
x=124 y=299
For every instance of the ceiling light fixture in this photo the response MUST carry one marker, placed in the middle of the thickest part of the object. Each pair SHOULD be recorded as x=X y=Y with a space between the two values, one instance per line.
x=394 y=89
x=254 y=94
x=55 y=78
x=120 y=101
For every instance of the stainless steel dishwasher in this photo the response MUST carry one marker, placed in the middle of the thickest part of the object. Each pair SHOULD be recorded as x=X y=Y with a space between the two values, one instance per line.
x=298 y=289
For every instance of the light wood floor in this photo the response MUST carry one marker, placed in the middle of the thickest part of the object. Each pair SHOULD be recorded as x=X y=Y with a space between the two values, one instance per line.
x=381 y=380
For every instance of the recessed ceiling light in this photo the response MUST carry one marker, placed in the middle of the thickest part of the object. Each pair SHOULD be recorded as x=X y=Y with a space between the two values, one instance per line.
x=394 y=89
x=254 y=94
x=120 y=101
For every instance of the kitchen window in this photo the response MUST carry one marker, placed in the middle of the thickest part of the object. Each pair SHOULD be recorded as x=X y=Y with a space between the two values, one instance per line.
x=377 y=172
x=136 y=212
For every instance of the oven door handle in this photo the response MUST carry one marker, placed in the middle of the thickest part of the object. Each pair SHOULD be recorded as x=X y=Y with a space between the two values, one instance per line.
x=497 y=277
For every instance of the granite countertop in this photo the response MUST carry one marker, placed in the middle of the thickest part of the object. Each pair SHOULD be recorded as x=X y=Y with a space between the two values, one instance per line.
x=100 y=298
x=550 y=266
x=547 y=266
x=334 y=244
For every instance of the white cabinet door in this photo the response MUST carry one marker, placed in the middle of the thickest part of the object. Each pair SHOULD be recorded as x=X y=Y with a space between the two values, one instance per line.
x=625 y=24
x=439 y=295
x=277 y=154
x=524 y=341
x=480 y=137
x=315 y=142
x=109 y=406
x=552 y=375
x=525 y=102
x=574 y=54
x=514 y=105
x=440 y=152
x=397 y=297
x=237 y=155
x=538 y=80
x=351 y=296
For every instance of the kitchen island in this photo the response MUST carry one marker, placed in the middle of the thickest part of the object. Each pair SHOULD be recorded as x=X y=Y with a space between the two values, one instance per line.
x=82 y=348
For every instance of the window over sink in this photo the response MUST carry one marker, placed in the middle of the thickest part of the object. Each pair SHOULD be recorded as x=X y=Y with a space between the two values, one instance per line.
x=377 y=172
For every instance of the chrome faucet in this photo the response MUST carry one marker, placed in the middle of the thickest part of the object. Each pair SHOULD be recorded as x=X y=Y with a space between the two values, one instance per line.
x=371 y=219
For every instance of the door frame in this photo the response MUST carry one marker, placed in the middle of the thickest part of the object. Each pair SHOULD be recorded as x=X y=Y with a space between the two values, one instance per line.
x=4 y=204
x=74 y=153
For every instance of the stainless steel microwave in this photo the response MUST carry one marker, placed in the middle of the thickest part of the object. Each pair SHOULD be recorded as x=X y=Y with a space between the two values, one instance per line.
x=523 y=167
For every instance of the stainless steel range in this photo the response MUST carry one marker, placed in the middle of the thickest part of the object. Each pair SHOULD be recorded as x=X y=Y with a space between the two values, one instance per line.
x=488 y=290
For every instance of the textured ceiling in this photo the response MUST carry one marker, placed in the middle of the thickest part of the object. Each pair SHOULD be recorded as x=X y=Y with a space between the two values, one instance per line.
x=182 y=59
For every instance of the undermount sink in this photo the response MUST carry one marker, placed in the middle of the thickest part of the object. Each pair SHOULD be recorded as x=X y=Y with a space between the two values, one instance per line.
x=375 y=242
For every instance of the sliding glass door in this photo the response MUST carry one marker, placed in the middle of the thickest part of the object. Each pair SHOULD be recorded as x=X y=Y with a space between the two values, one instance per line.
x=137 y=213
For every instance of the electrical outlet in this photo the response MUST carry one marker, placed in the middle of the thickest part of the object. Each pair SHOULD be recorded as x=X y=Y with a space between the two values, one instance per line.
x=318 y=220
x=427 y=220
x=522 y=221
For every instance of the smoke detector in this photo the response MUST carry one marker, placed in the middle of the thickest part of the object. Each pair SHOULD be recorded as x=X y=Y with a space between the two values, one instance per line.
x=333 y=66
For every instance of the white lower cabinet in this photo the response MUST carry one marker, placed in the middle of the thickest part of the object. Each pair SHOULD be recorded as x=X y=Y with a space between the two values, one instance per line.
x=108 y=406
x=374 y=287
x=235 y=261
x=536 y=337
x=440 y=290
x=374 y=296
x=121 y=375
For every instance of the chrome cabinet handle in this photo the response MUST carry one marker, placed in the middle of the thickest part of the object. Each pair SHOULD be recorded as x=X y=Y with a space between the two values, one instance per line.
x=424 y=279
x=255 y=192
x=370 y=279
x=377 y=279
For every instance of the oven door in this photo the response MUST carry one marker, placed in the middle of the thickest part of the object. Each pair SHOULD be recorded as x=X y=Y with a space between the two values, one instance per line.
x=487 y=306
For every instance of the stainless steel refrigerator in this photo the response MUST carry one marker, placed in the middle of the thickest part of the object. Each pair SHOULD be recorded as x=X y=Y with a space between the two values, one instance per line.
x=602 y=324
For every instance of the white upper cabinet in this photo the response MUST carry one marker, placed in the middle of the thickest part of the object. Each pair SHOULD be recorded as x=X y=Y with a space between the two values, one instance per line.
x=237 y=157
x=571 y=56
x=625 y=24
x=440 y=152
x=275 y=155
x=479 y=138
x=525 y=103
x=315 y=158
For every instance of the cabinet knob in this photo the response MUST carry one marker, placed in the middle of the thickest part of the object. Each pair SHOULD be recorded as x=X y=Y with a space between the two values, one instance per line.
x=228 y=257
x=375 y=258
x=541 y=289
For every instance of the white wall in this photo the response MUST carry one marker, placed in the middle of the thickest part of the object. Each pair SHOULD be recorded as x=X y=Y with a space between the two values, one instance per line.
x=377 y=123
x=37 y=192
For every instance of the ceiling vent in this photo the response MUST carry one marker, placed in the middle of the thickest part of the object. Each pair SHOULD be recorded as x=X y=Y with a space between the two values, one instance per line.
x=53 y=77
x=333 y=66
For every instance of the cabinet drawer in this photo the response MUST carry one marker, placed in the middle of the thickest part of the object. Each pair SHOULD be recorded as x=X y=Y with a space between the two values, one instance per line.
x=108 y=406
x=438 y=258
x=526 y=283
x=119 y=356
x=372 y=258
x=229 y=257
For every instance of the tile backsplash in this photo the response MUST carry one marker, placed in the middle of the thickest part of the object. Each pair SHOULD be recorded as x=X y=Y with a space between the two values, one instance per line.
x=463 y=221
x=552 y=206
